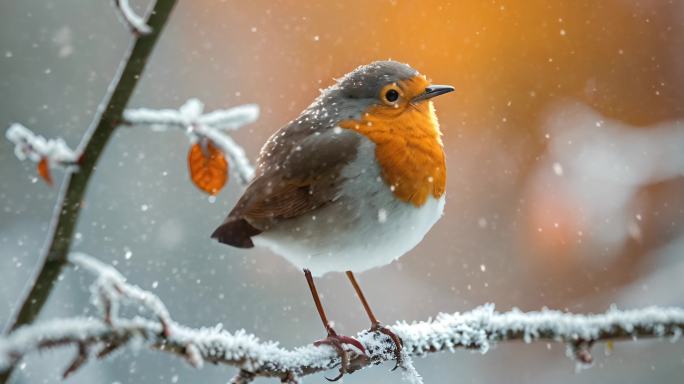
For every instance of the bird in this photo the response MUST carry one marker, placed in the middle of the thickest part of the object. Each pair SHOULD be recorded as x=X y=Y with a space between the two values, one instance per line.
x=353 y=183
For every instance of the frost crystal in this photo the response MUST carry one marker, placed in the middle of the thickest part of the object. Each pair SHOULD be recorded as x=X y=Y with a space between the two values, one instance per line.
x=28 y=145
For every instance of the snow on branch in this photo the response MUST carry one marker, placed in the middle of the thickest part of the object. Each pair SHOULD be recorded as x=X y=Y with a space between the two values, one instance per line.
x=131 y=19
x=191 y=113
x=48 y=153
x=28 y=145
x=478 y=330
x=198 y=125
x=110 y=290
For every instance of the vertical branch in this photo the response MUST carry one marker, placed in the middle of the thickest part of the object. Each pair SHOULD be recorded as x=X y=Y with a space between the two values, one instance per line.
x=65 y=216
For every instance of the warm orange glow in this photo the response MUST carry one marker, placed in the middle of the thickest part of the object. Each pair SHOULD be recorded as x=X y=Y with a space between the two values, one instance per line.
x=510 y=61
x=555 y=229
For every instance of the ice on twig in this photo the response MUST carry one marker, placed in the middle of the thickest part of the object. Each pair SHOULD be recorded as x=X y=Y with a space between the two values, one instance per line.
x=28 y=145
x=231 y=119
x=130 y=18
x=478 y=329
x=111 y=287
x=409 y=373
x=197 y=125
x=191 y=114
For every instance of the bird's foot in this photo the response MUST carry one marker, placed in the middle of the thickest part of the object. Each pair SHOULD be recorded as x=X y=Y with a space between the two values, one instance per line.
x=398 y=344
x=337 y=342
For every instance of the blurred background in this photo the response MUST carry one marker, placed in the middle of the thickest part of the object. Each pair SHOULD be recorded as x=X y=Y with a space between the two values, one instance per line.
x=565 y=148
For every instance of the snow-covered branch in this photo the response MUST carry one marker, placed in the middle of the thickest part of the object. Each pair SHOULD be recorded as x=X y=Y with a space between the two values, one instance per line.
x=479 y=329
x=128 y=16
x=28 y=145
x=198 y=125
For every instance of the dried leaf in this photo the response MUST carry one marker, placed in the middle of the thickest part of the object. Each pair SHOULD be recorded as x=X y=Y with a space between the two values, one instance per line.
x=44 y=170
x=208 y=167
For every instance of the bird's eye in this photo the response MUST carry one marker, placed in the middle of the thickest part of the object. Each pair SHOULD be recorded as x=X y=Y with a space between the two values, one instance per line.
x=392 y=95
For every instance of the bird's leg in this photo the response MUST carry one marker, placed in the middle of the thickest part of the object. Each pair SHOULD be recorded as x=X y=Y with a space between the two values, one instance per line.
x=333 y=340
x=375 y=324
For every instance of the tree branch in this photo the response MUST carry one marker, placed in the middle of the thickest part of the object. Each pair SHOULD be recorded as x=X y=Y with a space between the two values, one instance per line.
x=109 y=114
x=479 y=330
x=190 y=117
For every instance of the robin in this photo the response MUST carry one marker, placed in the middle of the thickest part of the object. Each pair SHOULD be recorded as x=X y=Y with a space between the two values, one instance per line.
x=353 y=183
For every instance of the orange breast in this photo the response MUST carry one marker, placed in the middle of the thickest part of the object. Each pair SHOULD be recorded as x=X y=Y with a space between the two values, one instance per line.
x=408 y=149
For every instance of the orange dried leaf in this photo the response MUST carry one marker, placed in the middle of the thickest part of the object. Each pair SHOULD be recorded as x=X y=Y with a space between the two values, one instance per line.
x=208 y=167
x=44 y=170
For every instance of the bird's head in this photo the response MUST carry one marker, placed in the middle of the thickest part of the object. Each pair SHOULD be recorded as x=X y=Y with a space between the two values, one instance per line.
x=386 y=88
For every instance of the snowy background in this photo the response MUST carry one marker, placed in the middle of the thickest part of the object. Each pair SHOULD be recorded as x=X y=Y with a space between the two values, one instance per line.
x=565 y=147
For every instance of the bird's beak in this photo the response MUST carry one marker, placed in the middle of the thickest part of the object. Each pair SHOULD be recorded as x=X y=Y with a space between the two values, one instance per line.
x=432 y=91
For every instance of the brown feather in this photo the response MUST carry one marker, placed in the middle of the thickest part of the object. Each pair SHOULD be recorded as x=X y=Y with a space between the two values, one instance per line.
x=292 y=180
x=237 y=232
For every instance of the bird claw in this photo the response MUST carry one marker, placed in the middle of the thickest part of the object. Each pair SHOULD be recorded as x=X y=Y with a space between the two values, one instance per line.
x=398 y=343
x=337 y=342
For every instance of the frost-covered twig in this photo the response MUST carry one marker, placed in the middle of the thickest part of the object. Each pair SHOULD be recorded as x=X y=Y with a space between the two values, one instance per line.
x=191 y=114
x=131 y=19
x=479 y=330
x=54 y=254
x=28 y=145
x=198 y=125
x=111 y=290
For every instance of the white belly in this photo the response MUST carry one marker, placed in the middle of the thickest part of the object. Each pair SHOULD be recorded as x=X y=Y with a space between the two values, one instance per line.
x=365 y=227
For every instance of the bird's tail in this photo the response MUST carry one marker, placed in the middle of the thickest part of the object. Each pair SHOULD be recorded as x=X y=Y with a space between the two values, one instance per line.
x=236 y=232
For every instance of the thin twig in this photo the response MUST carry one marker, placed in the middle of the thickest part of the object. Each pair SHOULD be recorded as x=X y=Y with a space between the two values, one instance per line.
x=134 y=22
x=242 y=377
x=68 y=207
